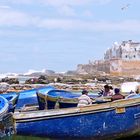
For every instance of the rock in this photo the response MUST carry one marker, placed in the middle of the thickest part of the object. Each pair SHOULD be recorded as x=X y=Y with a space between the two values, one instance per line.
x=31 y=81
x=41 y=80
x=71 y=72
x=10 y=80
x=42 y=77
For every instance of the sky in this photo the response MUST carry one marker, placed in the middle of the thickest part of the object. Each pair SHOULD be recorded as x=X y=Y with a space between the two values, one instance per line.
x=60 y=34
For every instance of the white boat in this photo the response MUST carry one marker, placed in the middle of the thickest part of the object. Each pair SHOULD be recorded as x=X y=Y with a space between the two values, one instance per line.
x=128 y=87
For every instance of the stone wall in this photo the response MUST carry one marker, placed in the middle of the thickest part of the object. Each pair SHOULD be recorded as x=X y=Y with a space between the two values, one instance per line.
x=131 y=67
x=86 y=69
x=103 y=66
x=114 y=67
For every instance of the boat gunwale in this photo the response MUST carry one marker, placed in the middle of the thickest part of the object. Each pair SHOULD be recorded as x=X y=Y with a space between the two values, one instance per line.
x=55 y=113
x=57 y=116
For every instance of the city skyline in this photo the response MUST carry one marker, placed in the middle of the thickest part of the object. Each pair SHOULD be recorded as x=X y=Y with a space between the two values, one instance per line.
x=59 y=34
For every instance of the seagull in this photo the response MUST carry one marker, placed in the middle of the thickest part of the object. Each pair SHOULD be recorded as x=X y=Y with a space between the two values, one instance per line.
x=125 y=7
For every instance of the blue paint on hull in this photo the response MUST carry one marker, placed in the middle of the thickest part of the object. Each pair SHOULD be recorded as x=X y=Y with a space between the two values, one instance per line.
x=12 y=100
x=29 y=97
x=10 y=96
x=91 y=125
x=26 y=101
x=3 y=106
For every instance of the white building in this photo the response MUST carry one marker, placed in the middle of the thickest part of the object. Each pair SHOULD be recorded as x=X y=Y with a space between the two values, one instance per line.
x=127 y=50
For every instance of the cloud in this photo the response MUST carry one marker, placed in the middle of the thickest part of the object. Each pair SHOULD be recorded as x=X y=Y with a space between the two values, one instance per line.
x=68 y=7
x=21 y=1
x=67 y=10
x=10 y=17
x=13 y=34
x=4 y=7
x=59 y=2
x=73 y=2
x=62 y=7
x=69 y=24
x=103 y=1
x=87 y=13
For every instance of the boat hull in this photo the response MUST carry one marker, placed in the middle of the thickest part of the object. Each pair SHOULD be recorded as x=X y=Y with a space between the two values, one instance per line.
x=93 y=122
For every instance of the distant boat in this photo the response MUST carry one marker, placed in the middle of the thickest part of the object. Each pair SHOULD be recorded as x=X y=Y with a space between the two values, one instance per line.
x=3 y=106
x=133 y=96
x=117 y=119
x=29 y=98
x=128 y=87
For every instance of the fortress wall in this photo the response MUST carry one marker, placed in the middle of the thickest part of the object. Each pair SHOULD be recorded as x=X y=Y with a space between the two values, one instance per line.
x=131 y=67
x=114 y=67
x=104 y=66
x=126 y=68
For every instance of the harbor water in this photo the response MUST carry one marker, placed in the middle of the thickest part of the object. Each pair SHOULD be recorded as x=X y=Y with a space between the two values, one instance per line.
x=16 y=137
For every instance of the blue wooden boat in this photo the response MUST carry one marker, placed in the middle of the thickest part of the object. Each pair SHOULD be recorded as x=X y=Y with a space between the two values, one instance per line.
x=60 y=98
x=110 y=120
x=134 y=95
x=12 y=99
x=29 y=97
x=3 y=106
x=6 y=118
